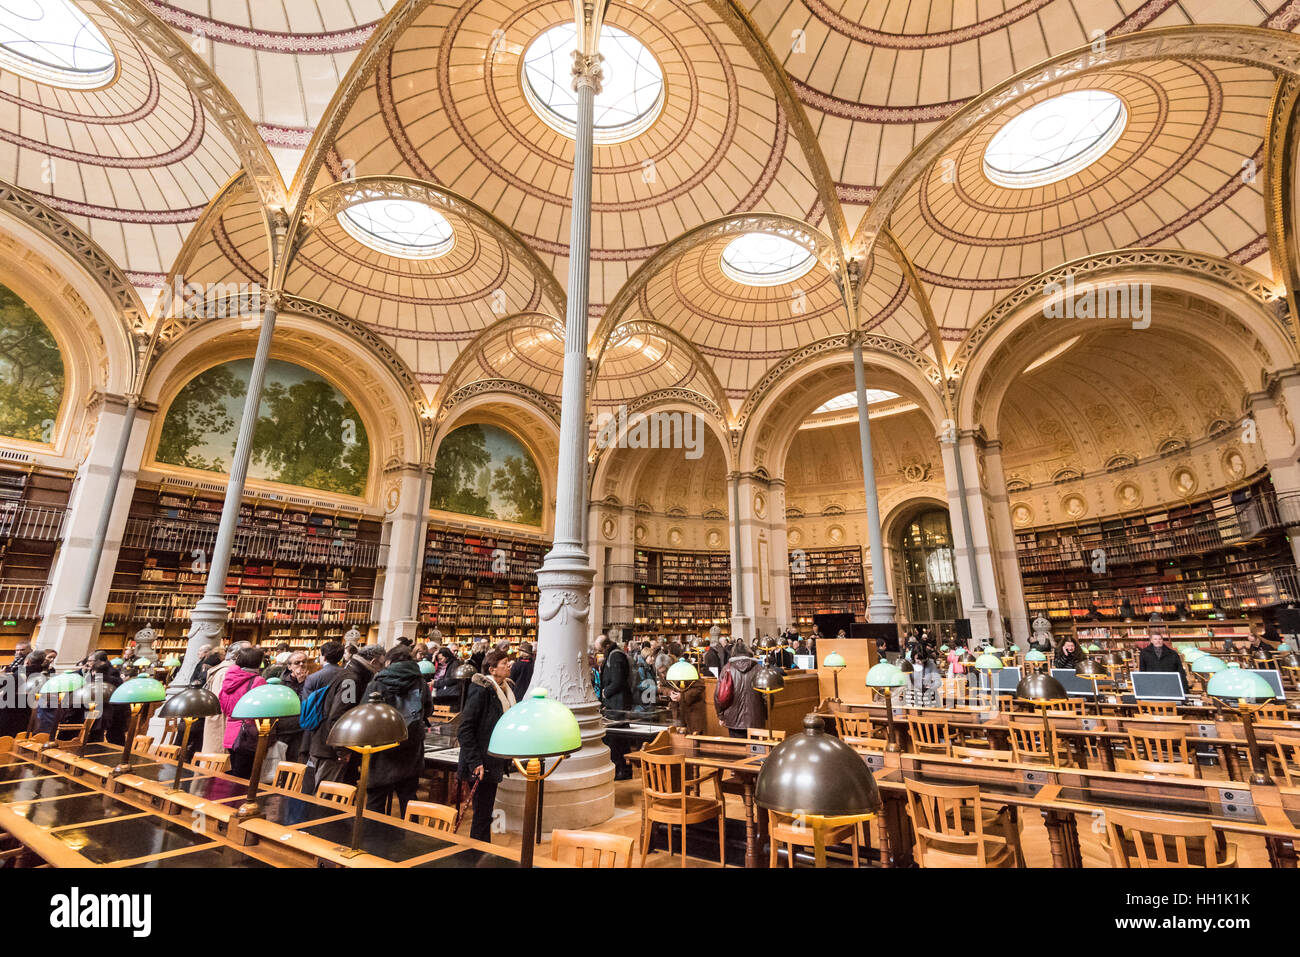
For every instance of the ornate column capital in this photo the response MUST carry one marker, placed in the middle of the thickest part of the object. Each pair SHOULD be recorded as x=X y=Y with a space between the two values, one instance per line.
x=587 y=71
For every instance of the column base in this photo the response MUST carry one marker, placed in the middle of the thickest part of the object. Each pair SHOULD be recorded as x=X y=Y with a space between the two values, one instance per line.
x=881 y=608
x=981 y=627
x=390 y=631
x=742 y=628
x=72 y=635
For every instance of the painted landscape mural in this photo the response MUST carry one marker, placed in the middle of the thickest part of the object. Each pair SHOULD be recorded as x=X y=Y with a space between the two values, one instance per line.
x=307 y=433
x=485 y=471
x=31 y=372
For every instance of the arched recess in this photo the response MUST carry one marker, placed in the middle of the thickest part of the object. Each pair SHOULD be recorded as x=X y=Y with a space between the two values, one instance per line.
x=85 y=320
x=536 y=429
x=1229 y=309
x=492 y=355
x=809 y=377
x=390 y=419
x=621 y=359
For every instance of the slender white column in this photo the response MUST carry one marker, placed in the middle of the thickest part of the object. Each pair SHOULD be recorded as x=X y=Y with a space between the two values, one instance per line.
x=1275 y=410
x=968 y=570
x=741 y=620
x=880 y=607
x=400 y=588
x=1003 y=544
x=581 y=792
x=208 y=618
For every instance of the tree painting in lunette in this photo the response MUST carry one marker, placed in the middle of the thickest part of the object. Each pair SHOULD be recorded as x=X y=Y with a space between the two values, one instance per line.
x=483 y=470
x=31 y=372
x=307 y=432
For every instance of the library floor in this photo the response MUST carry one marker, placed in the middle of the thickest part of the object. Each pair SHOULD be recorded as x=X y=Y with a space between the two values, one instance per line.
x=1251 y=851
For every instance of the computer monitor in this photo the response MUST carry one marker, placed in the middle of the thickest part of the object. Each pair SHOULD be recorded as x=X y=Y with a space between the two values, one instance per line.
x=1158 y=686
x=1006 y=680
x=1274 y=679
x=806 y=662
x=1074 y=687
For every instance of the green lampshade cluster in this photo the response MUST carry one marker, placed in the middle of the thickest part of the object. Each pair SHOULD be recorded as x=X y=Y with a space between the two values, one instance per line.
x=271 y=700
x=885 y=675
x=1208 y=665
x=1238 y=684
x=835 y=660
x=682 y=671
x=427 y=667
x=988 y=662
x=139 y=691
x=536 y=727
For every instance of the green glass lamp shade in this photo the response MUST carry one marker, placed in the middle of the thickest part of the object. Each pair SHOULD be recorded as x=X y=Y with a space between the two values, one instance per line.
x=537 y=727
x=1283 y=647
x=375 y=724
x=988 y=662
x=142 y=662
x=139 y=691
x=195 y=701
x=768 y=681
x=117 y=662
x=943 y=647
x=1088 y=667
x=1234 y=664
x=835 y=660
x=815 y=773
x=172 y=662
x=682 y=671
x=464 y=672
x=271 y=700
x=885 y=675
x=1033 y=654
x=65 y=683
x=427 y=667
x=1208 y=665
x=1093 y=647
x=1040 y=687
x=1191 y=654
x=1238 y=684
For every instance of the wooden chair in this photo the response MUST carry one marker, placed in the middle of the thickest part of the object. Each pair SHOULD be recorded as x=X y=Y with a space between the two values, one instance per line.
x=1160 y=745
x=218 y=761
x=1166 y=769
x=1286 y=762
x=1271 y=712
x=168 y=752
x=852 y=728
x=1071 y=706
x=784 y=829
x=80 y=732
x=662 y=803
x=337 y=793
x=143 y=744
x=1145 y=840
x=289 y=775
x=930 y=735
x=762 y=734
x=6 y=744
x=952 y=828
x=1166 y=709
x=442 y=817
x=981 y=754
x=591 y=849
x=1031 y=744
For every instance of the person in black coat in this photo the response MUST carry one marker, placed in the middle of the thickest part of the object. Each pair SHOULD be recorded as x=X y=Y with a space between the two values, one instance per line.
x=347 y=689
x=616 y=677
x=521 y=672
x=13 y=709
x=1158 y=656
x=490 y=696
x=446 y=687
x=397 y=770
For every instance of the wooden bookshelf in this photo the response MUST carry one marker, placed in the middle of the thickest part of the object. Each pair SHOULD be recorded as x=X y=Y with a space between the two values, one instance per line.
x=1126 y=632
x=479 y=585
x=32 y=508
x=681 y=592
x=826 y=581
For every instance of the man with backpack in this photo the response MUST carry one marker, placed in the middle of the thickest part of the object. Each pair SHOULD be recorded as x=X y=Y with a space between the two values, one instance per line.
x=345 y=690
x=397 y=770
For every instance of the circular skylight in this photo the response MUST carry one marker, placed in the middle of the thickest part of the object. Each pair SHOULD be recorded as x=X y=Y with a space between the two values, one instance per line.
x=52 y=41
x=399 y=227
x=1055 y=139
x=632 y=88
x=762 y=259
x=849 y=400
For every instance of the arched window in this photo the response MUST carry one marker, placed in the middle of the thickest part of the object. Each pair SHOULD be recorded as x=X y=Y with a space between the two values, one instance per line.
x=928 y=576
x=31 y=372
x=308 y=433
x=485 y=471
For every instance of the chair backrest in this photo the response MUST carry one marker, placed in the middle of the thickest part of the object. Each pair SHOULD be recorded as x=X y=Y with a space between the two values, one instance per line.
x=1158 y=707
x=1168 y=769
x=1144 y=840
x=762 y=734
x=1271 y=712
x=981 y=754
x=930 y=734
x=82 y=730
x=591 y=849
x=939 y=817
x=1287 y=747
x=289 y=775
x=1158 y=744
x=337 y=792
x=852 y=725
x=142 y=744
x=440 y=817
x=172 y=730
x=1071 y=705
x=1030 y=740
x=6 y=743
x=212 y=761
x=168 y=752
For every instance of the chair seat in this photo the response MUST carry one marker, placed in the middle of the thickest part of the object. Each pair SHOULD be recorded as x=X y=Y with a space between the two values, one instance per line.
x=1001 y=856
x=670 y=812
x=803 y=836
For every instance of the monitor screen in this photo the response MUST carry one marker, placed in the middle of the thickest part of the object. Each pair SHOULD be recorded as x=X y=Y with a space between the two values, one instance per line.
x=1005 y=681
x=1158 y=686
x=806 y=662
x=1274 y=678
x=1074 y=687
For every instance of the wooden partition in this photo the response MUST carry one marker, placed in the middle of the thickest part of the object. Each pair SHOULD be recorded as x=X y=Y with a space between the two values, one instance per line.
x=798 y=698
x=859 y=655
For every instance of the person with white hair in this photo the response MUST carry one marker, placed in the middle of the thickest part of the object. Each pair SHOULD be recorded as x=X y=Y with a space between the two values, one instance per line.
x=214 y=728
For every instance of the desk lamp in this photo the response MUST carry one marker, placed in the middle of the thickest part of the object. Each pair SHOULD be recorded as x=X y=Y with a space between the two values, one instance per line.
x=768 y=682
x=1291 y=665
x=885 y=677
x=427 y=667
x=1035 y=657
x=1250 y=692
x=1042 y=690
x=465 y=673
x=1094 y=672
x=137 y=693
x=60 y=686
x=835 y=661
x=264 y=704
x=117 y=662
x=1205 y=666
x=986 y=664
x=819 y=780
x=681 y=674
x=533 y=729
x=366 y=729
x=171 y=664
x=190 y=705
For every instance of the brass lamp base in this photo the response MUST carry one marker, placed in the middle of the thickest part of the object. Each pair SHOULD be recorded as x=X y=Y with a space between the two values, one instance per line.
x=351 y=853
x=247 y=810
x=120 y=770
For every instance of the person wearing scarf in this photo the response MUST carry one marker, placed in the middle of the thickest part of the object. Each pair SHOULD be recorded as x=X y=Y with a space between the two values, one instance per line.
x=490 y=696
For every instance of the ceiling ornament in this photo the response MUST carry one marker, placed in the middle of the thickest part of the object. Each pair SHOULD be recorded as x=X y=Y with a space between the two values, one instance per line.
x=490 y=386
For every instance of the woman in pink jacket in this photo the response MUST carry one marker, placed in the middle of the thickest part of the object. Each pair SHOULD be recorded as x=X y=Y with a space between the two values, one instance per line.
x=238 y=681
